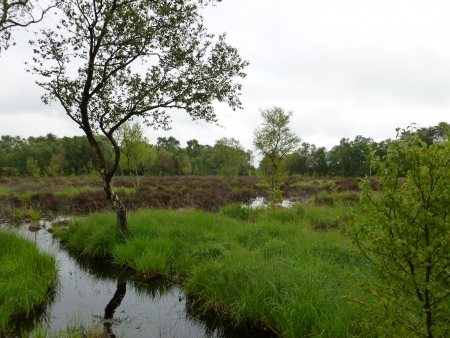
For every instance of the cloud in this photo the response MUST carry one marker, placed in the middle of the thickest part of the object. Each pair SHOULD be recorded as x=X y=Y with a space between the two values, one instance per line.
x=345 y=68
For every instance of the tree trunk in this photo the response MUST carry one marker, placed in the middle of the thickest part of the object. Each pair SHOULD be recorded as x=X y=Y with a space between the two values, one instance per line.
x=107 y=176
x=130 y=172
x=137 y=176
x=85 y=124
x=118 y=206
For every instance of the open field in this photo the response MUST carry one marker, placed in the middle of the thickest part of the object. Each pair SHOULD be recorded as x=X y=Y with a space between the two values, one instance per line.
x=283 y=270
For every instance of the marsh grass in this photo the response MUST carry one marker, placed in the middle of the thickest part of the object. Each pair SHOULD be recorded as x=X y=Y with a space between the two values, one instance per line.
x=236 y=211
x=26 y=277
x=33 y=214
x=266 y=268
x=75 y=329
x=312 y=183
x=71 y=191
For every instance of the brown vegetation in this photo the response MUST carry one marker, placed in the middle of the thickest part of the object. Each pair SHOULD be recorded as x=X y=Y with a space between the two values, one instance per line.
x=82 y=195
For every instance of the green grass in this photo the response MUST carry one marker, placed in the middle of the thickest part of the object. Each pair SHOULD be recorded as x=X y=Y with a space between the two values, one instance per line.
x=26 y=277
x=312 y=183
x=124 y=190
x=26 y=191
x=264 y=267
x=75 y=329
x=4 y=190
x=70 y=191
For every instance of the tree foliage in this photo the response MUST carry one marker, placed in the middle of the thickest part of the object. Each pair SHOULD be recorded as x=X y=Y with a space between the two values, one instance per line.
x=73 y=154
x=19 y=13
x=135 y=150
x=135 y=58
x=351 y=158
x=231 y=156
x=274 y=140
x=405 y=234
x=308 y=160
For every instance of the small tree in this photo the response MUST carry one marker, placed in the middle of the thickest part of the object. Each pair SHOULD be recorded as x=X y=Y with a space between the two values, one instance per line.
x=133 y=148
x=53 y=169
x=274 y=140
x=405 y=233
x=111 y=41
x=33 y=167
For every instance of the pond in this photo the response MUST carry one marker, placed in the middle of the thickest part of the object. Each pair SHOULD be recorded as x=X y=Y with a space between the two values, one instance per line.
x=94 y=291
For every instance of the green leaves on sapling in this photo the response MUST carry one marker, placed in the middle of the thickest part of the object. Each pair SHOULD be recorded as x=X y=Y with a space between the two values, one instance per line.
x=405 y=234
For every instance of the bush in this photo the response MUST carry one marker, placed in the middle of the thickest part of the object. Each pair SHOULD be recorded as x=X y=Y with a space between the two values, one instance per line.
x=405 y=235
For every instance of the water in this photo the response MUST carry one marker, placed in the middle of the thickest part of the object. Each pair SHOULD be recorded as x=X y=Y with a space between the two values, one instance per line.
x=260 y=202
x=94 y=291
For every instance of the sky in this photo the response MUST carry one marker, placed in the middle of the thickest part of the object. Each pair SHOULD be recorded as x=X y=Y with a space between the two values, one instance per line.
x=345 y=68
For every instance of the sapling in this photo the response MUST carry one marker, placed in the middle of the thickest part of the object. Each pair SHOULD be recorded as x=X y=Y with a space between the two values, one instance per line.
x=404 y=232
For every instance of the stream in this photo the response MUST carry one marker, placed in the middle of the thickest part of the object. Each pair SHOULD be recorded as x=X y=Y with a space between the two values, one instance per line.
x=92 y=291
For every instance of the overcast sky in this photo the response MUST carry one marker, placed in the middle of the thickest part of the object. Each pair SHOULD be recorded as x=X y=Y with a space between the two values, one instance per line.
x=345 y=68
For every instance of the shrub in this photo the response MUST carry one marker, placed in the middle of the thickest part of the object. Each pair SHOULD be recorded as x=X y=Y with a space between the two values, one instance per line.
x=405 y=234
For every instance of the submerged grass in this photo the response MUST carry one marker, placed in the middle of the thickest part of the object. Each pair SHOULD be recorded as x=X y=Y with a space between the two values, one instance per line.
x=26 y=277
x=264 y=268
x=75 y=329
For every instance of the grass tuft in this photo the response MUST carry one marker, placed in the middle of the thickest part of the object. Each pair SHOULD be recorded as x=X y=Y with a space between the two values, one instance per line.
x=271 y=270
x=26 y=277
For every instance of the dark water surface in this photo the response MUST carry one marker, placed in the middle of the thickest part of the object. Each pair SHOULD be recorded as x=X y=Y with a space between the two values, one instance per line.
x=94 y=291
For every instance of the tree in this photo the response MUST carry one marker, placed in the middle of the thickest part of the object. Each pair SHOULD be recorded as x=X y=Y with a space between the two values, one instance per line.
x=404 y=233
x=274 y=140
x=169 y=144
x=438 y=133
x=165 y=163
x=148 y=158
x=19 y=13
x=33 y=167
x=131 y=140
x=308 y=159
x=112 y=40
x=184 y=165
x=351 y=158
x=230 y=155
x=194 y=149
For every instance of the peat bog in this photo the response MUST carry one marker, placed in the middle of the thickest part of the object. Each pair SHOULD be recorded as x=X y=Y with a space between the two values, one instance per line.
x=191 y=251
x=81 y=195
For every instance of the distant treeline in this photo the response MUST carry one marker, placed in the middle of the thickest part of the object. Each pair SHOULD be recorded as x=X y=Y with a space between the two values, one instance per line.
x=52 y=156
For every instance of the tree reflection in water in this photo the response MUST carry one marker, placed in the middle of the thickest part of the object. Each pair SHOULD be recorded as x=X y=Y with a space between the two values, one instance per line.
x=113 y=304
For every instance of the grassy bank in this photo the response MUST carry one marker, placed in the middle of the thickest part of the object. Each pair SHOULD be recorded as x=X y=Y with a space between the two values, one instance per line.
x=284 y=270
x=26 y=277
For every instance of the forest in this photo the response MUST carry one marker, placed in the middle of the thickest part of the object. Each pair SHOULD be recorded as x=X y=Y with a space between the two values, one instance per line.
x=52 y=156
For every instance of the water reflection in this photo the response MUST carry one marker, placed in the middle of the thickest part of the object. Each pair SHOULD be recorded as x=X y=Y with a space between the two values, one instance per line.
x=113 y=304
x=93 y=290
